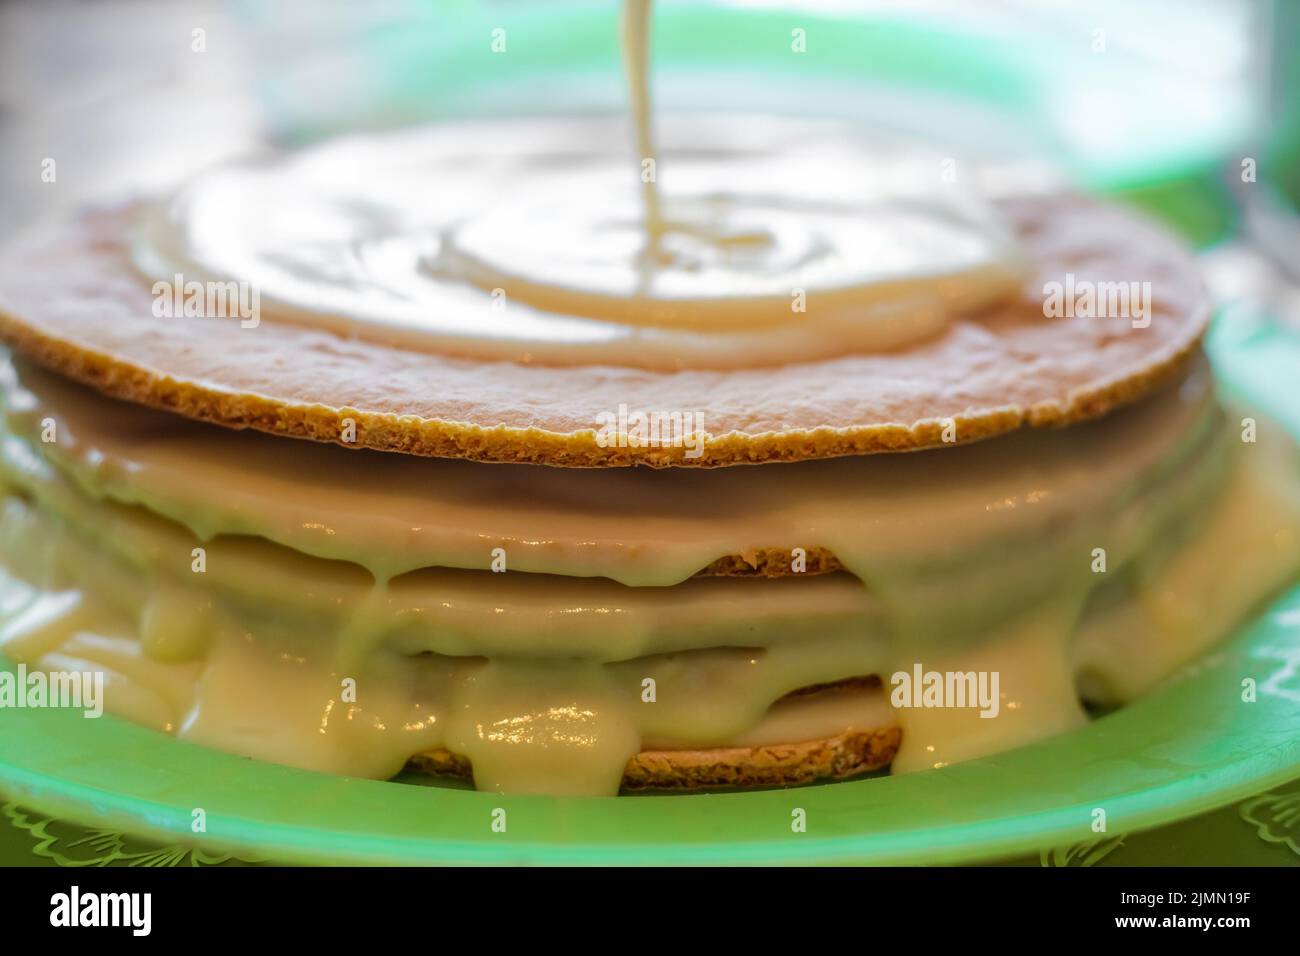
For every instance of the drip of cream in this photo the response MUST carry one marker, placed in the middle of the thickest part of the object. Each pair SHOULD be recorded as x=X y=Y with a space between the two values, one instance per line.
x=634 y=31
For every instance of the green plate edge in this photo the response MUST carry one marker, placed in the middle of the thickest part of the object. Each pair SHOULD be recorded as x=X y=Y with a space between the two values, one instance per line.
x=1190 y=746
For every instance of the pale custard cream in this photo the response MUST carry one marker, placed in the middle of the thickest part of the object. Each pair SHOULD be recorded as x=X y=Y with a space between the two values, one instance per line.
x=773 y=241
x=525 y=240
x=322 y=565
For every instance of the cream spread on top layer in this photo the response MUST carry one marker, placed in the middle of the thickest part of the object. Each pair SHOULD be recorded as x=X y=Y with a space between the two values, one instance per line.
x=539 y=676
x=768 y=241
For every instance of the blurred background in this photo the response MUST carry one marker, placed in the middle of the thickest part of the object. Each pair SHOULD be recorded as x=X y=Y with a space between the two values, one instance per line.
x=1188 y=108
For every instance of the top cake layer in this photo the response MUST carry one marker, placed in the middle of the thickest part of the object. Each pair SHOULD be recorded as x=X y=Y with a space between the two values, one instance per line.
x=890 y=355
x=75 y=304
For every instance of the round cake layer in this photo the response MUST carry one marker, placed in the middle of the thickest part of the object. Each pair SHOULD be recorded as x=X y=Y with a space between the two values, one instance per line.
x=393 y=514
x=870 y=744
x=72 y=300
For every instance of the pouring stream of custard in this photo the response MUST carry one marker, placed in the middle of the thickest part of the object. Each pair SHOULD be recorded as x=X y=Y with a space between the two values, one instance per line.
x=774 y=240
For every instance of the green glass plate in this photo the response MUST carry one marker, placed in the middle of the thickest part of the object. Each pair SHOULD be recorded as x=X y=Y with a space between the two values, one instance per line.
x=1188 y=747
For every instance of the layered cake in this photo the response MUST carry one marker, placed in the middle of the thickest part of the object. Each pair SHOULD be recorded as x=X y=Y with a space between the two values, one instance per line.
x=472 y=450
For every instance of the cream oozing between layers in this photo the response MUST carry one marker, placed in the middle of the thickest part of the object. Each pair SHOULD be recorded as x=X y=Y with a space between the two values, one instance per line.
x=323 y=564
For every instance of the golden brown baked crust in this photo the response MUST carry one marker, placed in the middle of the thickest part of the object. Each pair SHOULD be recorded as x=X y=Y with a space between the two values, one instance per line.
x=833 y=758
x=849 y=754
x=776 y=765
x=771 y=563
x=73 y=302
